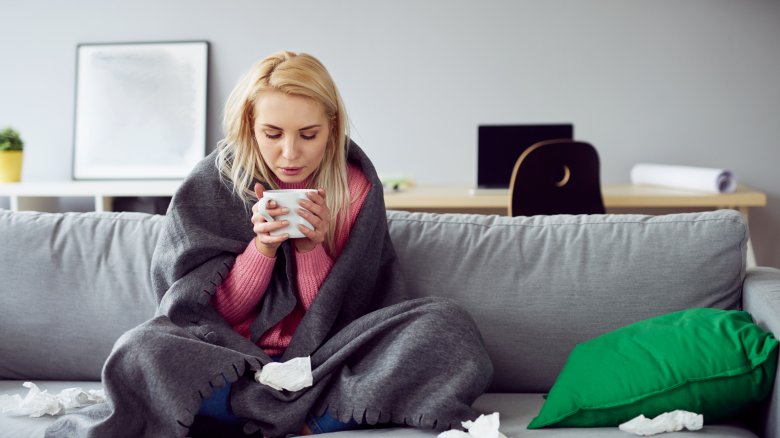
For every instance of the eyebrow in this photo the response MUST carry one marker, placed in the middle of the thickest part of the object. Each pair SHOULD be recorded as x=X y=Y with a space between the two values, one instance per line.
x=268 y=125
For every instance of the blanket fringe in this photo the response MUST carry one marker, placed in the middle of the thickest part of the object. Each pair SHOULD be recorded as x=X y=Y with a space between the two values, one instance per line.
x=371 y=416
x=230 y=373
x=216 y=280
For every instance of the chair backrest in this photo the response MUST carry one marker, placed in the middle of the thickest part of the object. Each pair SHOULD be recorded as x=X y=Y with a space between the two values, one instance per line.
x=556 y=177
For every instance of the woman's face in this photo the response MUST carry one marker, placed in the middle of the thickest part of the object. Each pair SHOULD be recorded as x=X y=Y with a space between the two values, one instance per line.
x=292 y=132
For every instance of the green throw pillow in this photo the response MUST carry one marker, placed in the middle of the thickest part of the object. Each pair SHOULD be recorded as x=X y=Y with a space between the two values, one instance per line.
x=708 y=361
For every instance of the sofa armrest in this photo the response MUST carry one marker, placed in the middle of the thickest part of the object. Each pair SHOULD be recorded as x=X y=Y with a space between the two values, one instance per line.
x=761 y=298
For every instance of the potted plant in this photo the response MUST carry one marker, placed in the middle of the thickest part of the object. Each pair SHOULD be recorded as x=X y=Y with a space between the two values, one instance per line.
x=11 y=146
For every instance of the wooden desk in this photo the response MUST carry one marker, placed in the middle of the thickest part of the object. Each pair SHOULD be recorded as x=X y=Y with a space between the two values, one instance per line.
x=31 y=196
x=616 y=196
x=625 y=197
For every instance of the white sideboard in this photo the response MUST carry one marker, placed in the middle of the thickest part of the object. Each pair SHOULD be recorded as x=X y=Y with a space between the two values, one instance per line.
x=45 y=195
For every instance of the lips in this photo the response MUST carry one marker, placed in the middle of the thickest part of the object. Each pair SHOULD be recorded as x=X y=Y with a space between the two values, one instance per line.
x=291 y=171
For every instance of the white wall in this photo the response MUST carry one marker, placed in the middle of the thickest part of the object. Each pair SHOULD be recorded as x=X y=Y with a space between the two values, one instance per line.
x=682 y=82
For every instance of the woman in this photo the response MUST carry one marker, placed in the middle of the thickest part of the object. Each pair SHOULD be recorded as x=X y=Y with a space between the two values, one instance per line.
x=233 y=298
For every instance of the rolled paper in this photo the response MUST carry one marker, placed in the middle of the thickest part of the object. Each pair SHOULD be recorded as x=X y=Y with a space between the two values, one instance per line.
x=703 y=179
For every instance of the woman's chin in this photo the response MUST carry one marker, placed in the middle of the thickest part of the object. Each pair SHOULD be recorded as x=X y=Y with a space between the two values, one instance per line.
x=292 y=179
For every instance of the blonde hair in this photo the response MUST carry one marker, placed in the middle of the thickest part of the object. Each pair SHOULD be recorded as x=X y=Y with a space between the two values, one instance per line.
x=238 y=155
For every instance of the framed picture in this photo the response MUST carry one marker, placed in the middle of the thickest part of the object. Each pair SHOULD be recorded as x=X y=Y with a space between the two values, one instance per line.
x=140 y=109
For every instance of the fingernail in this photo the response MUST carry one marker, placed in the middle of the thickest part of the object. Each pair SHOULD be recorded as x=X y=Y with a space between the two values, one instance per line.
x=285 y=210
x=286 y=222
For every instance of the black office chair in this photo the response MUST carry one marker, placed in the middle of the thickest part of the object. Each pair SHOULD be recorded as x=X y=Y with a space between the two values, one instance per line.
x=556 y=177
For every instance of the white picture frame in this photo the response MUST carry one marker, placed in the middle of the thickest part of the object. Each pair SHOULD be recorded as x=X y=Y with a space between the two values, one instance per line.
x=140 y=110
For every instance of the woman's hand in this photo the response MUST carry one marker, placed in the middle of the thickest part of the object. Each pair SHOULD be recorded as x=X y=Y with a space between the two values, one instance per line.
x=317 y=213
x=264 y=241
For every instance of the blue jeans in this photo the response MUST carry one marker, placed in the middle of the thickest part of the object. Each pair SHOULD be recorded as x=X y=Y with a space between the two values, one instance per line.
x=327 y=423
x=217 y=406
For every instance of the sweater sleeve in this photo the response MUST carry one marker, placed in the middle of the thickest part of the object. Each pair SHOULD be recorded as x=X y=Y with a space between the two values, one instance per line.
x=237 y=297
x=313 y=267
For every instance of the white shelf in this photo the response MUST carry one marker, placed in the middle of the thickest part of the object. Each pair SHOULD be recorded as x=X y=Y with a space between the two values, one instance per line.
x=42 y=195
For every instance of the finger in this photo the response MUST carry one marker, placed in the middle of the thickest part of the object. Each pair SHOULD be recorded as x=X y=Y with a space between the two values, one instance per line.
x=308 y=204
x=273 y=212
x=258 y=218
x=267 y=239
x=313 y=235
x=267 y=227
x=320 y=211
x=316 y=221
x=317 y=197
x=259 y=190
x=313 y=202
x=277 y=210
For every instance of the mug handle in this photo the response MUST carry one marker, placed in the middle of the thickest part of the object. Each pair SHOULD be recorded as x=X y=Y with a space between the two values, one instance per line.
x=261 y=208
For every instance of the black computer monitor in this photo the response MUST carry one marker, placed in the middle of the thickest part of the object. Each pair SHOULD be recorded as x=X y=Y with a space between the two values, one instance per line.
x=499 y=147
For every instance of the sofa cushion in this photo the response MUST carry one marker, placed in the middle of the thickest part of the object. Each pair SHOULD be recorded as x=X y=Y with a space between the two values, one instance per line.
x=537 y=286
x=71 y=284
x=709 y=361
x=516 y=411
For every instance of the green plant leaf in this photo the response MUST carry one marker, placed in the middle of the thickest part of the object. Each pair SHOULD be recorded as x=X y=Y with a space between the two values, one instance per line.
x=10 y=140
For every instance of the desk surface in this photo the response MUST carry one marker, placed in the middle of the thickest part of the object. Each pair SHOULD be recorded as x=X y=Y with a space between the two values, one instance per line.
x=615 y=196
x=423 y=197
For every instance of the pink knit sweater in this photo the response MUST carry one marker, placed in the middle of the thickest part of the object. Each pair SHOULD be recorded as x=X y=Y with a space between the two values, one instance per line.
x=237 y=298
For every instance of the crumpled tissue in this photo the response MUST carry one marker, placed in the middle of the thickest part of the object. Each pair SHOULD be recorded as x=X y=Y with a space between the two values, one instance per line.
x=293 y=375
x=666 y=422
x=486 y=426
x=38 y=403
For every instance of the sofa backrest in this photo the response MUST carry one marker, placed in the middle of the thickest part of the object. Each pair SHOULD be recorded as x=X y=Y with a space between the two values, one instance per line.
x=537 y=286
x=70 y=285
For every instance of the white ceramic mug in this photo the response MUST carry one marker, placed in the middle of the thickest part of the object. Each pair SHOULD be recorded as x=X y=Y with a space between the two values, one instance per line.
x=287 y=198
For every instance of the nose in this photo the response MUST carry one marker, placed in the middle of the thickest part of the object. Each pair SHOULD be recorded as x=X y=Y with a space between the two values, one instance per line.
x=289 y=148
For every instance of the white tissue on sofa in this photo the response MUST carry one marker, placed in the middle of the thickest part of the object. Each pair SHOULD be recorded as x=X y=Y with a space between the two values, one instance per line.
x=293 y=375
x=486 y=426
x=38 y=403
x=666 y=422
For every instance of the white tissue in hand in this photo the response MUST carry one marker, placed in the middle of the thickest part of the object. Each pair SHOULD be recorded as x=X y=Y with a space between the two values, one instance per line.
x=666 y=422
x=293 y=375
x=38 y=403
x=486 y=426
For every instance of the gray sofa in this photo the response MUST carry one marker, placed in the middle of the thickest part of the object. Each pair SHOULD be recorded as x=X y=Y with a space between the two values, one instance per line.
x=71 y=283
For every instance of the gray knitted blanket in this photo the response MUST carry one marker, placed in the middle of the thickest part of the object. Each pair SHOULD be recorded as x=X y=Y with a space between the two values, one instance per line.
x=376 y=356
